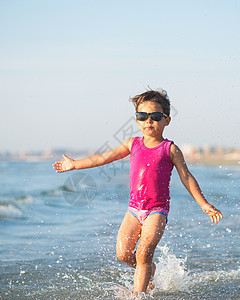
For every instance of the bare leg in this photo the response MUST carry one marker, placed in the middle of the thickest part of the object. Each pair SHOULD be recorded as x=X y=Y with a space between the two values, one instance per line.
x=151 y=284
x=152 y=231
x=128 y=235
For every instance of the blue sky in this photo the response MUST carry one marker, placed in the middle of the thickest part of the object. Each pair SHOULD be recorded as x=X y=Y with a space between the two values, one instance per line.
x=68 y=68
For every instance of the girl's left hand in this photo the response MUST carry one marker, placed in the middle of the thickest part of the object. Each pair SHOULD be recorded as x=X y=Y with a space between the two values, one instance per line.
x=213 y=213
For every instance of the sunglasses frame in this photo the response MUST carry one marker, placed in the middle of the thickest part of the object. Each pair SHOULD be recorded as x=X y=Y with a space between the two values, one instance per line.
x=150 y=115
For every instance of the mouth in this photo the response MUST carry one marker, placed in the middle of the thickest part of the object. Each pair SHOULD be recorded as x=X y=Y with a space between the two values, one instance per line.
x=148 y=128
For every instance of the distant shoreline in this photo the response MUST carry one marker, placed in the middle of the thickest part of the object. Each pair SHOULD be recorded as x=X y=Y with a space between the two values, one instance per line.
x=207 y=156
x=214 y=162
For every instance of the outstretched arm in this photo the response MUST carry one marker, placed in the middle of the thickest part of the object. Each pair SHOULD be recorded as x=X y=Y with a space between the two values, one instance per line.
x=97 y=160
x=192 y=185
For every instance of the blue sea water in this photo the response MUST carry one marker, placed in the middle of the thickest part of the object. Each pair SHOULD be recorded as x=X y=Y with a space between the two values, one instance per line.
x=58 y=241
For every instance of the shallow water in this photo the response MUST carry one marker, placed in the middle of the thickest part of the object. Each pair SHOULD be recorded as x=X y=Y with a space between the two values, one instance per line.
x=51 y=249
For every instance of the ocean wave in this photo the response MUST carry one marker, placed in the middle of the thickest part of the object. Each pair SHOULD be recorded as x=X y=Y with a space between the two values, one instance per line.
x=68 y=188
x=24 y=199
x=53 y=192
x=10 y=211
x=27 y=199
x=12 y=208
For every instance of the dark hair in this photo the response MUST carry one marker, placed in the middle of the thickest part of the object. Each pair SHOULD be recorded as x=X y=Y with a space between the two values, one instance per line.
x=159 y=96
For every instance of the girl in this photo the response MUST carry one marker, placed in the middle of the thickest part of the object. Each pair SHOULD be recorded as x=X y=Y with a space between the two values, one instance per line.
x=152 y=159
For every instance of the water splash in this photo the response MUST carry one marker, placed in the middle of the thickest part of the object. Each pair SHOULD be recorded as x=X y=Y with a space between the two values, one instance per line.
x=173 y=276
x=116 y=291
x=170 y=274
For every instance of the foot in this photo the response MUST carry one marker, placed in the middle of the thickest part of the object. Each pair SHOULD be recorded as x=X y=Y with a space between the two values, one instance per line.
x=151 y=284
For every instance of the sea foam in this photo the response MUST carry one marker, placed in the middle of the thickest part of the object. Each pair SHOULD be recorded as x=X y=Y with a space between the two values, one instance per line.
x=10 y=211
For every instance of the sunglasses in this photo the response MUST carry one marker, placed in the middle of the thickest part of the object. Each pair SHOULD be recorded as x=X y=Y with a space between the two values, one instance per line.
x=155 y=116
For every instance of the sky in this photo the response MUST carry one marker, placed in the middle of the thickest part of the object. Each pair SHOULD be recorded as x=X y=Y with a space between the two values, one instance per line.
x=68 y=68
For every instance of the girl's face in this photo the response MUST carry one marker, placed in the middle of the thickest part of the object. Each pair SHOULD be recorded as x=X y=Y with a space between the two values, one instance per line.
x=150 y=127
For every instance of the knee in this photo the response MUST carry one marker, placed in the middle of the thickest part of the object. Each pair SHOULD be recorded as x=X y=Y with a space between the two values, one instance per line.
x=144 y=255
x=124 y=256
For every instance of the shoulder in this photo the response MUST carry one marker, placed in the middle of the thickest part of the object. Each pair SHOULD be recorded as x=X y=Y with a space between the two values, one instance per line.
x=174 y=148
x=128 y=143
x=175 y=152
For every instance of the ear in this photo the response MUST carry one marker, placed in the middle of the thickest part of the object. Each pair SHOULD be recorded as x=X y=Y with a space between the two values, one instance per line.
x=168 y=120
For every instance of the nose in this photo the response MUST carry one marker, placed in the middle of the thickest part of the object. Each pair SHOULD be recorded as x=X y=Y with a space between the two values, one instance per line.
x=149 y=120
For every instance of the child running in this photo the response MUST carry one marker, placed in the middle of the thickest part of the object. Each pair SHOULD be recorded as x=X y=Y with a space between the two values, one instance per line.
x=152 y=159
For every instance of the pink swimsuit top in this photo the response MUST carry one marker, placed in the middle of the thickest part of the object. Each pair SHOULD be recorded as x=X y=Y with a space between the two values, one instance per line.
x=150 y=172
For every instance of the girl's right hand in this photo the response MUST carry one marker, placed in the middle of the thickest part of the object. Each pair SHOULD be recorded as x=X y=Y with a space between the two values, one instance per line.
x=65 y=165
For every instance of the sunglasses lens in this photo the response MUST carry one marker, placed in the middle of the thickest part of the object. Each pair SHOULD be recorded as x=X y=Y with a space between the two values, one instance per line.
x=157 y=116
x=141 y=116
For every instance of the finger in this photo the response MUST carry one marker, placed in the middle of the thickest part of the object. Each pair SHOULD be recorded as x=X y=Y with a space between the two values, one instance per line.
x=56 y=167
x=218 y=218
x=57 y=163
x=218 y=215
x=65 y=156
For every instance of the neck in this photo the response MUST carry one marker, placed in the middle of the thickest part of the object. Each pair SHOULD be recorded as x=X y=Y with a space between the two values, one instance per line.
x=152 y=141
